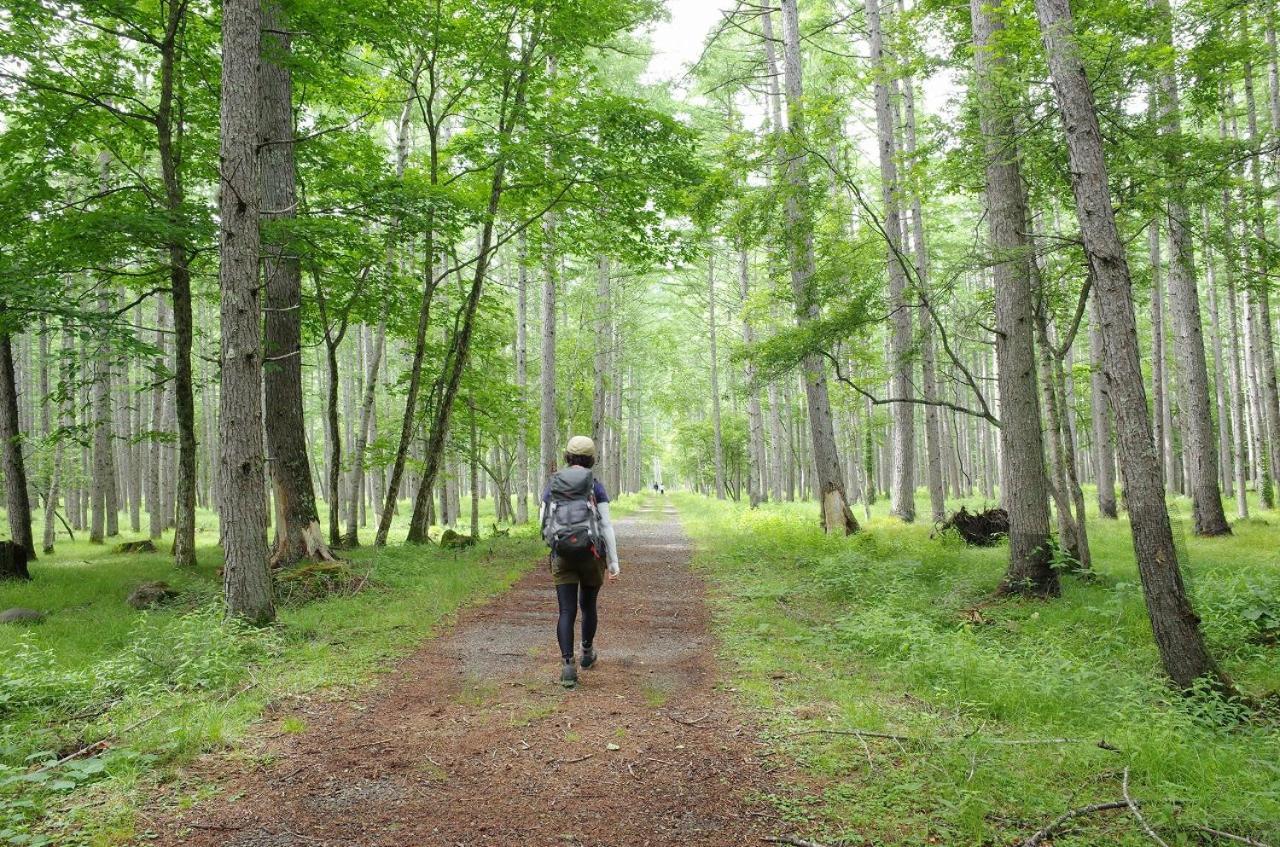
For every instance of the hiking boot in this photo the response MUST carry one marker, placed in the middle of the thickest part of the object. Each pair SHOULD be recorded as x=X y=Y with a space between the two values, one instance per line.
x=569 y=674
x=588 y=657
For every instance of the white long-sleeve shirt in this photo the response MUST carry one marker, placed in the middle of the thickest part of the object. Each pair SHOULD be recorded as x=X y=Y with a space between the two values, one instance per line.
x=610 y=540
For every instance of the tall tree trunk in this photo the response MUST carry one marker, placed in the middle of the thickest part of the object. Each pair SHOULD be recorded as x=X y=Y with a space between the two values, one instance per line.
x=511 y=112
x=66 y=419
x=1219 y=370
x=1160 y=398
x=409 y=418
x=1257 y=410
x=1104 y=451
x=243 y=508
x=170 y=128
x=1237 y=378
x=1259 y=297
x=928 y=355
x=17 y=502
x=1059 y=487
x=548 y=437
x=902 y=491
x=837 y=517
x=717 y=434
x=522 y=382
x=297 y=521
x=362 y=431
x=103 y=478
x=473 y=461
x=1024 y=485
x=332 y=342
x=1199 y=446
x=757 y=480
x=601 y=381
x=1174 y=624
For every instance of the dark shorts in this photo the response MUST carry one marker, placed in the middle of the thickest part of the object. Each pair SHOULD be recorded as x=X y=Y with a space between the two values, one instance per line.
x=586 y=571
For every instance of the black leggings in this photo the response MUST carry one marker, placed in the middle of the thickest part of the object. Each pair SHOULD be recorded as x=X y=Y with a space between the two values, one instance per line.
x=568 y=597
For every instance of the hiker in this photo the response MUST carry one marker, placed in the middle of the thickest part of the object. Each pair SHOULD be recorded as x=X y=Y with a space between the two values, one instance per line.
x=576 y=525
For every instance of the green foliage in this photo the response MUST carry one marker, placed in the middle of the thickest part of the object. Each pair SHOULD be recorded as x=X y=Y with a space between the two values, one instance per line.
x=163 y=686
x=892 y=631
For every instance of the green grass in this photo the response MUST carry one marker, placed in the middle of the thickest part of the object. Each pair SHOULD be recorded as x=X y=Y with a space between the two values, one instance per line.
x=892 y=631
x=166 y=685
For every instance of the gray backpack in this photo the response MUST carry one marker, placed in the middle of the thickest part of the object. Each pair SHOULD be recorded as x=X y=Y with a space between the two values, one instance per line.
x=572 y=524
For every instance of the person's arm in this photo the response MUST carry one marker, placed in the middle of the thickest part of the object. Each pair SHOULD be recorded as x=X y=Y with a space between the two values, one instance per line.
x=610 y=540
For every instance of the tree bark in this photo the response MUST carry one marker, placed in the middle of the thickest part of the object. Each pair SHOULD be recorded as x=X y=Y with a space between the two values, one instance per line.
x=1219 y=370
x=902 y=489
x=716 y=432
x=155 y=504
x=1174 y=624
x=1199 y=448
x=1160 y=399
x=102 y=498
x=1104 y=452
x=522 y=382
x=368 y=406
x=332 y=342
x=169 y=126
x=66 y=420
x=17 y=502
x=352 y=538
x=1259 y=297
x=473 y=461
x=243 y=509
x=408 y=420
x=757 y=481
x=548 y=437
x=928 y=354
x=837 y=517
x=600 y=363
x=297 y=521
x=1024 y=485
x=1236 y=377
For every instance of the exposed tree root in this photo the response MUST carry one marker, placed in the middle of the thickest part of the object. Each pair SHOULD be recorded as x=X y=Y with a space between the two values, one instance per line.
x=977 y=529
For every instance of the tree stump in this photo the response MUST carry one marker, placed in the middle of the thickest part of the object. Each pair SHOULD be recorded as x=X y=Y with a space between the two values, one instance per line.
x=13 y=561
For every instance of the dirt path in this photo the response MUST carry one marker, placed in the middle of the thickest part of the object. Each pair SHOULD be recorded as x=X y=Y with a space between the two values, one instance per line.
x=471 y=741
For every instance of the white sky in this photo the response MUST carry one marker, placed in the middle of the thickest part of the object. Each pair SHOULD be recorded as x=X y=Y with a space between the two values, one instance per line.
x=678 y=42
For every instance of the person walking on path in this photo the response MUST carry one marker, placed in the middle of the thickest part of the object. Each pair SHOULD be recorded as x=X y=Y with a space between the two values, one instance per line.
x=576 y=525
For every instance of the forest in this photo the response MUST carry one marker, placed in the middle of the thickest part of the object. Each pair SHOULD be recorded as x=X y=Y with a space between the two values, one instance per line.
x=927 y=349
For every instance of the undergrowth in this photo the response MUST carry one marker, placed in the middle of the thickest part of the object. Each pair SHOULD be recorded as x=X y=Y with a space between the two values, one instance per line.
x=894 y=632
x=101 y=703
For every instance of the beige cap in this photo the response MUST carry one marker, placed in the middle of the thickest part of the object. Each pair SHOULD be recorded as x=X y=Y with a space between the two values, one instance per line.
x=580 y=445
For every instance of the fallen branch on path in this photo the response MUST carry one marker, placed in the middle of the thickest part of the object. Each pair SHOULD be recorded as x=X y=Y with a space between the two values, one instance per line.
x=88 y=748
x=1009 y=742
x=859 y=733
x=1137 y=813
x=571 y=761
x=696 y=722
x=1073 y=813
x=791 y=840
x=1239 y=839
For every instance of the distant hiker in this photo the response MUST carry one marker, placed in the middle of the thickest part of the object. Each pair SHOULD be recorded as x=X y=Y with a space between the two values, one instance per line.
x=576 y=525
